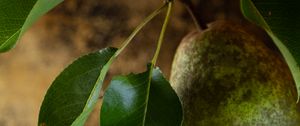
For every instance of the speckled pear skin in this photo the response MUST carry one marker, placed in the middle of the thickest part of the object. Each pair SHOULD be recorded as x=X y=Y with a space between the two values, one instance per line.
x=225 y=76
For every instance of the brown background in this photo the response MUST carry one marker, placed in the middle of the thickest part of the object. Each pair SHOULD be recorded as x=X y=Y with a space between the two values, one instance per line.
x=77 y=27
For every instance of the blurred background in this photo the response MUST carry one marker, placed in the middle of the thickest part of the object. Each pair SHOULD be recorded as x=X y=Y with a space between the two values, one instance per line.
x=77 y=27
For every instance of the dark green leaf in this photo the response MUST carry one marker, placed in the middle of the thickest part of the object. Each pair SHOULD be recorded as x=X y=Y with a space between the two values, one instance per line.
x=74 y=93
x=280 y=18
x=18 y=15
x=132 y=101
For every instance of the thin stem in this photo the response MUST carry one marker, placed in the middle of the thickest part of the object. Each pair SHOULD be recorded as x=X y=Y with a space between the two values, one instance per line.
x=160 y=40
x=197 y=18
x=139 y=27
x=128 y=40
x=162 y=33
x=193 y=17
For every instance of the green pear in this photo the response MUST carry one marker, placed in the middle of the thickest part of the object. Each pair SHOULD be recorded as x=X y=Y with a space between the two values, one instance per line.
x=225 y=76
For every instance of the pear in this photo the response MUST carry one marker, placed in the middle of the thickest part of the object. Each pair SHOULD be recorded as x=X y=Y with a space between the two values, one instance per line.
x=225 y=76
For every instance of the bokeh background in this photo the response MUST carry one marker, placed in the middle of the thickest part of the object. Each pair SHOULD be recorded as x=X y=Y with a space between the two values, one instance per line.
x=77 y=27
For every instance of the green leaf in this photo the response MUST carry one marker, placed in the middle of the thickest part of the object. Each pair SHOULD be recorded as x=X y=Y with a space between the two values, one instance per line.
x=280 y=19
x=74 y=93
x=16 y=16
x=134 y=100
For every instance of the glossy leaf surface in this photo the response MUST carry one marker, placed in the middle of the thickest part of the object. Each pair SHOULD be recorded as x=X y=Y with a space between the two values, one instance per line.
x=16 y=16
x=280 y=19
x=133 y=100
x=74 y=93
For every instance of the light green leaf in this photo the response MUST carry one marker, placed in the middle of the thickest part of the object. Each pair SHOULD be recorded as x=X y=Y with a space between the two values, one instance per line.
x=134 y=100
x=74 y=93
x=280 y=19
x=16 y=16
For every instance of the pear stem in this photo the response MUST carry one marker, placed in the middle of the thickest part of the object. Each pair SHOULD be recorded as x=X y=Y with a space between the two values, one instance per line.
x=196 y=16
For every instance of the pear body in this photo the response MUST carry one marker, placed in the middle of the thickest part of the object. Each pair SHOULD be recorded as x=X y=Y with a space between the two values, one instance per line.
x=224 y=76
